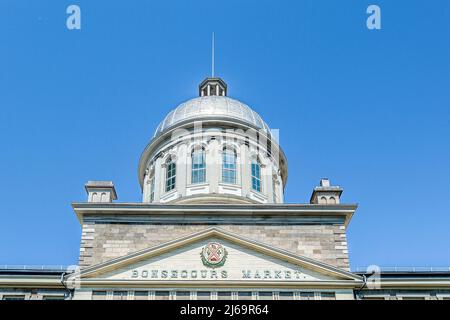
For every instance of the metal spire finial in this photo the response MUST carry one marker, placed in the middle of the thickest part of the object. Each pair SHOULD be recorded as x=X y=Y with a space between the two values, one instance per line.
x=212 y=65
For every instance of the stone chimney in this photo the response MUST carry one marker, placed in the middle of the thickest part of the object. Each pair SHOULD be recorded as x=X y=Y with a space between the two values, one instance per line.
x=100 y=191
x=326 y=194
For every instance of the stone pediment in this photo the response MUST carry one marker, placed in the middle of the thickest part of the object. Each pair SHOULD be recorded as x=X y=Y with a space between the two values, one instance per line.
x=215 y=256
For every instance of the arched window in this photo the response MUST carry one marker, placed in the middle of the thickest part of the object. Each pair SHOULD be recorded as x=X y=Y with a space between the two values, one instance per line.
x=171 y=175
x=198 y=166
x=229 y=166
x=256 y=175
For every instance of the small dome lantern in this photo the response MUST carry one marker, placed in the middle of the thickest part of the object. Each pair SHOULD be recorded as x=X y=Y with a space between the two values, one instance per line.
x=212 y=87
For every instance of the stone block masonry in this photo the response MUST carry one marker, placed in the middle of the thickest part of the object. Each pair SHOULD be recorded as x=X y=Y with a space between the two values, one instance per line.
x=102 y=241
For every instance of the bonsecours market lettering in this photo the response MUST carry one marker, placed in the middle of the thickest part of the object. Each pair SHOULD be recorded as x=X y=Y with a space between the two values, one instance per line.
x=217 y=274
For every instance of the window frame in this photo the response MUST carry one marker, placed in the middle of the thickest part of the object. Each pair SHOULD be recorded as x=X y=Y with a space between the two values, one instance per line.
x=256 y=179
x=99 y=295
x=171 y=175
x=162 y=295
x=200 y=171
x=229 y=167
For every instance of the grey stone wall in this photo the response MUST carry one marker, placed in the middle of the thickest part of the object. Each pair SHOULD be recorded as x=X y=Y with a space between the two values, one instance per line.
x=105 y=241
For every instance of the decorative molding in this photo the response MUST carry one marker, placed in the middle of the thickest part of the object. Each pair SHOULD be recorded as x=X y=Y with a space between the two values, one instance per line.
x=169 y=154
x=202 y=144
x=216 y=219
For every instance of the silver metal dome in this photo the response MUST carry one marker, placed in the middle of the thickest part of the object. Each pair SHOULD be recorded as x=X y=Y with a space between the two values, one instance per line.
x=211 y=107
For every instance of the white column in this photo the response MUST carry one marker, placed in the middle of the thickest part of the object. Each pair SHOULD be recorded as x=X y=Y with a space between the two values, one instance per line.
x=159 y=178
x=213 y=166
x=146 y=188
x=245 y=170
x=268 y=181
x=280 y=189
x=182 y=170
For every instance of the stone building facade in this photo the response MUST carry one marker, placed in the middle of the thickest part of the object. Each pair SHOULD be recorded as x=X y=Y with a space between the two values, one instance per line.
x=213 y=224
x=102 y=241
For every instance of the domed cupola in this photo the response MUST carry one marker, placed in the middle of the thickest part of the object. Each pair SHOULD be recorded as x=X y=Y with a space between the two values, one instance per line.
x=213 y=149
x=213 y=104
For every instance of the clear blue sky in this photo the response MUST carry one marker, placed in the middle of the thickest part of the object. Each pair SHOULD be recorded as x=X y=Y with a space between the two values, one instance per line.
x=368 y=109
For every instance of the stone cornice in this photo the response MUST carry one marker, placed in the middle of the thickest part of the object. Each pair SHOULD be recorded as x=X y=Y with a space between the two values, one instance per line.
x=415 y=283
x=320 y=213
x=33 y=281
x=108 y=283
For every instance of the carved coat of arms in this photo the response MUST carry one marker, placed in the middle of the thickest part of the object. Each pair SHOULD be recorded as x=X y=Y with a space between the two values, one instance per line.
x=213 y=255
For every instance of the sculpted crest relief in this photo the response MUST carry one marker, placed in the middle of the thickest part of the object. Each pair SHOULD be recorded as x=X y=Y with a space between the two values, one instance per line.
x=213 y=255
